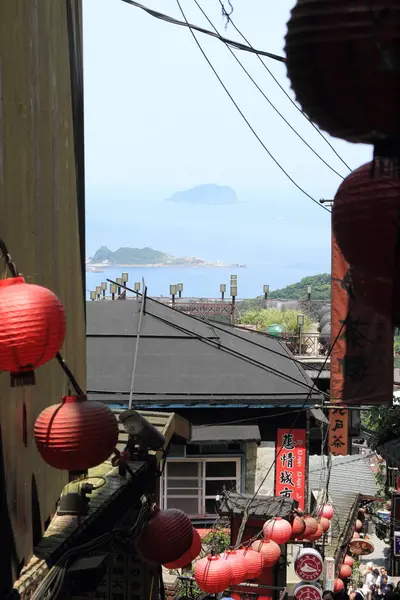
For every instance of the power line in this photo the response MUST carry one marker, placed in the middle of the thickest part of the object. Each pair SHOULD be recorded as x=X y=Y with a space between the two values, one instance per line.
x=229 y=18
x=266 y=97
x=234 y=44
x=243 y=115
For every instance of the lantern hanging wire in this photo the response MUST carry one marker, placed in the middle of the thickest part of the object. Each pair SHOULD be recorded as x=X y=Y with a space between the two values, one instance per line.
x=10 y=264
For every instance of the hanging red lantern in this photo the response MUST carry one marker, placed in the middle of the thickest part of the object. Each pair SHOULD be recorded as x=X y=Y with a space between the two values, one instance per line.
x=238 y=565
x=278 y=530
x=166 y=536
x=254 y=562
x=188 y=557
x=212 y=574
x=77 y=434
x=32 y=328
x=327 y=511
x=338 y=585
x=356 y=536
x=325 y=524
x=298 y=528
x=269 y=550
x=366 y=220
x=345 y=571
x=313 y=537
x=311 y=527
x=358 y=525
x=340 y=57
x=348 y=560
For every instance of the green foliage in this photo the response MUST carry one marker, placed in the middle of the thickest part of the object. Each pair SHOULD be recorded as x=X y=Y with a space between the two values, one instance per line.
x=270 y=316
x=218 y=540
x=321 y=289
x=384 y=422
x=131 y=256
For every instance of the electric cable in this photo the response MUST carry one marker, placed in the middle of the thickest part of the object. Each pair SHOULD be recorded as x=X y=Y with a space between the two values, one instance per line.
x=284 y=171
x=266 y=97
x=228 y=16
x=233 y=43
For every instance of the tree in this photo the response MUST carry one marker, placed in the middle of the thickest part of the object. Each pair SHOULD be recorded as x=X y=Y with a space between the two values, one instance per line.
x=271 y=316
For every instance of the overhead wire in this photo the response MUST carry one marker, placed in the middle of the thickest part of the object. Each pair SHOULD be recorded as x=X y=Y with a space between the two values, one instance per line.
x=266 y=97
x=230 y=21
x=233 y=43
x=245 y=119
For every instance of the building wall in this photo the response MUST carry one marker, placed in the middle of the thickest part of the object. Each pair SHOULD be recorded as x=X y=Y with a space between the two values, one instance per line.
x=40 y=225
x=265 y=458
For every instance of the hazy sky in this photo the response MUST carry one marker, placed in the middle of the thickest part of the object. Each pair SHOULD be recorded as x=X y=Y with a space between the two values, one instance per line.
x=157 y=118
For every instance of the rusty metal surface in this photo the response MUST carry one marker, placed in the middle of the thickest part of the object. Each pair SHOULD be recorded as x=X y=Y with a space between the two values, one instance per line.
x=39 y=223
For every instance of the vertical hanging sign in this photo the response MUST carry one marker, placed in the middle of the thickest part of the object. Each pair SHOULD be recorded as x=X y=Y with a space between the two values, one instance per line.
x=290 y=465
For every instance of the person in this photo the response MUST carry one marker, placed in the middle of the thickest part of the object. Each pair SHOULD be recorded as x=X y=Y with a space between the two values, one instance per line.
x=382 y=585
x=357 y=594
x=383 y=573
x=328 y=595
x=369 y=581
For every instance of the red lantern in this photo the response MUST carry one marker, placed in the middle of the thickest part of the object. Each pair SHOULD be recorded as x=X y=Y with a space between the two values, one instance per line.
x=269 y=550
x=358 y=525
x=32 y=328
x=348 y=560
x=327 y=511
x=338 y=585
x=166 y=536
x=212 y=574
x=278 y=530
x=188 y=557
x=341 y=56
x=238 y=566
x=298 y=528
x=77 y=434
x=345 y=571
x=325 y=524
x=254 y=562
x=311 y=527
x=356 y=536
x=313 y=537
x=365 y=220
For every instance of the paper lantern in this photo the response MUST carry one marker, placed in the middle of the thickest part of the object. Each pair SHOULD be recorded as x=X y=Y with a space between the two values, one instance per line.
x=32 y=328
x=77 y=434
x=311 y=527
x=358 y=525
x=313 y=537
x=327 y=511
x=212 y=574
x=278 y=530
x=269 y=550
x=298 y=528
x=254 y=562
x=345 y=571
x=325 y=524
x=238 y=566
x=356 y=536
x=348 y=560
x=189 y=556
x=166 y=536
x=365 y=218
x=338 y=585
x=340 y=57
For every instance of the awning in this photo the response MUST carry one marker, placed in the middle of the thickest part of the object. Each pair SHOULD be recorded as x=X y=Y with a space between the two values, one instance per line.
x=226 y=433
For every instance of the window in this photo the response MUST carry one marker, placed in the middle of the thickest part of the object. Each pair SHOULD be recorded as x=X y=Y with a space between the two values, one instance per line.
x=192 y=484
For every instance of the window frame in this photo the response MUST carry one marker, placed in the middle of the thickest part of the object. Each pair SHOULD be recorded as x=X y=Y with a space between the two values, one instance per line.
x=201 y=479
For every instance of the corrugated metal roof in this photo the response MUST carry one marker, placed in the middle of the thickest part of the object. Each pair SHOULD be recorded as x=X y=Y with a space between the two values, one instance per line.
x=234 y=433
x=184 y=358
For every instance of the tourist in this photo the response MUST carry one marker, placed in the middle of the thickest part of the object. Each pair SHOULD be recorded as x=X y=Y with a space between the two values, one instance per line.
x=369 y=581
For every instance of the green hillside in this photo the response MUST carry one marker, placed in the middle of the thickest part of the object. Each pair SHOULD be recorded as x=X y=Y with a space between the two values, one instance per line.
x=131 y=256
x=321 y=289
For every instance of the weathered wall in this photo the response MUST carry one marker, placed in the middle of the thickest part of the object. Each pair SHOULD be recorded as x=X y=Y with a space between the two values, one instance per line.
x=39 y=223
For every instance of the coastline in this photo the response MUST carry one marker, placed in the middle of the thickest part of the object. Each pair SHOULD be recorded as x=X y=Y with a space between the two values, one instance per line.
x=189 y=265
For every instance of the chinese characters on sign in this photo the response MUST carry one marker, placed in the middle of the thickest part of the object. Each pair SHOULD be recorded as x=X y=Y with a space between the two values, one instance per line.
x=290 y=467
x=338 y=431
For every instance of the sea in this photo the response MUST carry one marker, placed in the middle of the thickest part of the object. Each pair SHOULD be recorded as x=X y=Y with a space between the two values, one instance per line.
x=280 y=242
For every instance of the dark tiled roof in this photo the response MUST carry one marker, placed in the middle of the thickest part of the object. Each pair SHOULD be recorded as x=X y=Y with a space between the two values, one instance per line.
x=186 y=360
x=232 y=433
x=263 y=507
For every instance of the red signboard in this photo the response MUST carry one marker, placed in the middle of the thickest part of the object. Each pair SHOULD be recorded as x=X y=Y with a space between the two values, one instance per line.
x=290 y=466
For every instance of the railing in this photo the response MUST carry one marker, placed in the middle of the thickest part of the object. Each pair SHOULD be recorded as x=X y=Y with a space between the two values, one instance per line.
x=307 y=344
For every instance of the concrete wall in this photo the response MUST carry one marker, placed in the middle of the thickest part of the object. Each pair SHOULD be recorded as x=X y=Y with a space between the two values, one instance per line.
x=39 y=223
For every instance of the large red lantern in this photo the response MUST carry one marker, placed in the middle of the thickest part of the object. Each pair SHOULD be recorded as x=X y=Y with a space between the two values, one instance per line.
x=212 y=574
x=77 y=434
x=341 y=57
x=366 y=220
x=189 y=556
x=313 y=537
x=278 y=530
x=338 y=585
x=311 y=527
x=298 y=528
x=32 y=328
x=325 y=524
x=238 y=565
x=348 y=560
x=269 y=550
x=345 y=571
x=327 y=511
x=358 y=525
x=254 y=562
x=166 y=536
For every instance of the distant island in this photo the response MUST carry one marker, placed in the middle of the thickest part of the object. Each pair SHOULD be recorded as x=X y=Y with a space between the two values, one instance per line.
x=209 y=193
x=145 y=257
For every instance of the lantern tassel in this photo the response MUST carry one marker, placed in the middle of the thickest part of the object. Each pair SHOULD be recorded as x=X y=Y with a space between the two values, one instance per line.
x=387 y=158
x=23 y=378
